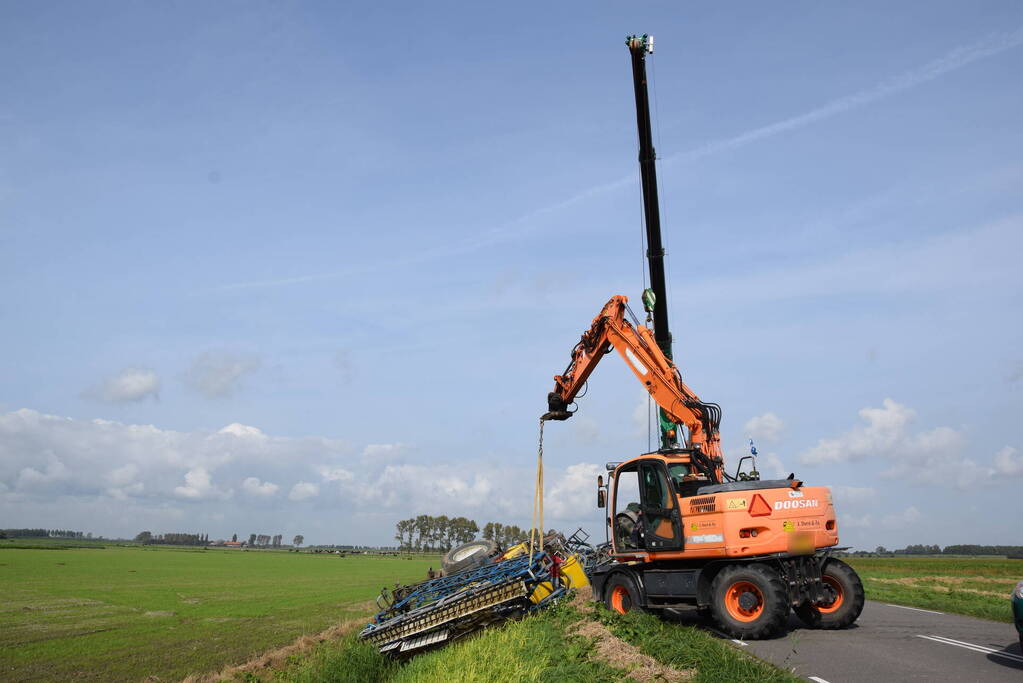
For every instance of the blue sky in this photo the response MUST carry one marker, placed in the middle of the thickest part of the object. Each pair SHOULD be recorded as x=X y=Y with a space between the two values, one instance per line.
x=306 y=268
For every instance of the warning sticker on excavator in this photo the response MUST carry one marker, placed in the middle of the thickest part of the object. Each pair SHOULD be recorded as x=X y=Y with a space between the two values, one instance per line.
x=788 y=526
x=736 y=504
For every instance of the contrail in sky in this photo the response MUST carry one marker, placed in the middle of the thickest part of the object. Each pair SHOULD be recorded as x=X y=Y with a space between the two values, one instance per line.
x=954 y=60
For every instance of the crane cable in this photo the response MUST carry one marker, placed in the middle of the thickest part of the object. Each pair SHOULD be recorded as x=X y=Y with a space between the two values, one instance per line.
x=536 y=532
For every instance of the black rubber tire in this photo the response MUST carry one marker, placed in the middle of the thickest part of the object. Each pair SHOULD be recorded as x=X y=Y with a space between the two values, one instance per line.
x=468 y=556
x=809 y=615
x=852 y=595
x=630 y=598
x=774 y=605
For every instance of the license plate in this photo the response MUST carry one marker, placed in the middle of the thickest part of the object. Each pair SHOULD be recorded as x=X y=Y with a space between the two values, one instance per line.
x=801 y=544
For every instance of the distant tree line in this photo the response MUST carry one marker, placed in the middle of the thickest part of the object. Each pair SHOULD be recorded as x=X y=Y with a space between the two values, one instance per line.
x=425 y=533
x=43 y=533
x=983 y=550
x=919 y=550
x=148 y=538
x=266 y=540
x=504 y=535
x=966 y=549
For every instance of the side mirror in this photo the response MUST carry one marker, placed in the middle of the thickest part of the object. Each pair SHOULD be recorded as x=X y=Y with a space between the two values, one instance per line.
x=600 y=481
x=601 y=500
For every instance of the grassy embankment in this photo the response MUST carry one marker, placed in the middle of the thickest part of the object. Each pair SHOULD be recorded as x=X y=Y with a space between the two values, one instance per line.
x=568 y=643
x=125 y=613
x=974 y=586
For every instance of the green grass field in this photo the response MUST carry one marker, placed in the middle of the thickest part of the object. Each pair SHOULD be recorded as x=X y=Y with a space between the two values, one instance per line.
x=128 y=613
x=975 y=586
x=125 y=613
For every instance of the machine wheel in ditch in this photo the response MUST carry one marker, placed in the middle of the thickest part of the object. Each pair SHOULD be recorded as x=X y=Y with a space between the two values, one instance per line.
x=847 y=591
x=621 y=595
x=750 y=601
x=468 y=556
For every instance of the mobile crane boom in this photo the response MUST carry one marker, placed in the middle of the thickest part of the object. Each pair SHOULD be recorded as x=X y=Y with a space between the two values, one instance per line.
x=639 y=47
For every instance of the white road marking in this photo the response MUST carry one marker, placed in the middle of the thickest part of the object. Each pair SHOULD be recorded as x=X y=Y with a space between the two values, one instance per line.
x=815 y=678
x=915 y=609
x=983 y=649
x=725 y=635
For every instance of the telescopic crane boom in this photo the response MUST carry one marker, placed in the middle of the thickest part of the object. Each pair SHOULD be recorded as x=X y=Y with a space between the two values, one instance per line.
x=657 y=304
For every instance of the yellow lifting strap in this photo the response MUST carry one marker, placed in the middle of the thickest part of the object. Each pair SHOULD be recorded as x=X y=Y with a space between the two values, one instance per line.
x=536 y=532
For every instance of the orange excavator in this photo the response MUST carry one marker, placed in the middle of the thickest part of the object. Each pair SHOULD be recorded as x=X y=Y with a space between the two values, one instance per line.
x=682 y=531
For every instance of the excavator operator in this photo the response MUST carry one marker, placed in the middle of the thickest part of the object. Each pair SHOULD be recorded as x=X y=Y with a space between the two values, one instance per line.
x=630 y=526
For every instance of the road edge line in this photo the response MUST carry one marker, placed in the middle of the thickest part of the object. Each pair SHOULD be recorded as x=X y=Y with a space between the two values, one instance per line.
x=915 y=609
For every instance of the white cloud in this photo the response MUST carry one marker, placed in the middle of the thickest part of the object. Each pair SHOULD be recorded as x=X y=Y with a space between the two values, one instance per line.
x=1008 y=463
x=771 y=466
x=574 y=494
x=199 y=486
x=123 y=475
x=31 y=478
x=334 y=473
x=303 y=490
x=129 y=385
x=435 y=488
x=644 y=415
x=884 y=431
x=255 y=487
x=767 y=428
x=936 y=456
x=243 y=431
x=218 y=374
x=853 y=495
x=854 y=522
x=123 y=482
x=125 y=492
x=911 y=515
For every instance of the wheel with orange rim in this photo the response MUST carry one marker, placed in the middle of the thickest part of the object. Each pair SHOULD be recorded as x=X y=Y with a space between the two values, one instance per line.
x=844 y=595
x=837 y=597
x=621 y=594
x=744 y=601
x=749 y=601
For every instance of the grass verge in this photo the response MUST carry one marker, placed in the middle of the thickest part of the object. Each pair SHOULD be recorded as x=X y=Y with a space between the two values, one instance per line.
x=970 y=586
x=540 y=647
x=570 y=642
x=688 y=647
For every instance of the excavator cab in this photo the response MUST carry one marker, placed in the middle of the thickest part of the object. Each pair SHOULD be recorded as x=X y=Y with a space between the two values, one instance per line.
x=645 y=508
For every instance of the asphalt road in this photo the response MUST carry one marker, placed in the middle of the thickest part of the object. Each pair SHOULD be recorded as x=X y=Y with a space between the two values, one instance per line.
x=891 y=643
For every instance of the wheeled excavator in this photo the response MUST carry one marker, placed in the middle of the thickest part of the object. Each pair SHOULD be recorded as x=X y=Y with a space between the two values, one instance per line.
x=683 y=532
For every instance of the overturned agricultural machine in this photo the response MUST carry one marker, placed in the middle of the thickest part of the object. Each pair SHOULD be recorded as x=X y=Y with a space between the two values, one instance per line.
x=483 y=589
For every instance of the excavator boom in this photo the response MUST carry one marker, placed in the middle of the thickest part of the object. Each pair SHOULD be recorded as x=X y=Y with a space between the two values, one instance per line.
x=636 y=344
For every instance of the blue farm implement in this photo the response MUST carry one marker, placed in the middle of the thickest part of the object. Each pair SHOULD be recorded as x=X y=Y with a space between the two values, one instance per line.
x=437 y=611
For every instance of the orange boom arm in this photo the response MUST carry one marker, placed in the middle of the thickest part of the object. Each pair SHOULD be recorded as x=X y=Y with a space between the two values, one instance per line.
x=657 y=373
